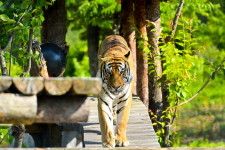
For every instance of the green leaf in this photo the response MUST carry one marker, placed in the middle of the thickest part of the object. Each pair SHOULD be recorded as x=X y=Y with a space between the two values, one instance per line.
x=13 y=29
x=213 y=75
x=10 y=21
x=178 y=83
x=179 y=94
x=154 y=124
x=163 y=131
x=35 y=10
x=41 y=18
x=184 y=94
x=4 y=17
x=173 y=87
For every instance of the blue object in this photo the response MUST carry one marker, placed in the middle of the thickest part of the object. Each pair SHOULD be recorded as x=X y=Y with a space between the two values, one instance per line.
x=55 y=58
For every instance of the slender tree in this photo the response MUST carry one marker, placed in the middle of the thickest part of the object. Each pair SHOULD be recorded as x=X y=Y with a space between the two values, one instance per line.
x=128 y=31
x=93 y=42
x=142 y=61
x=155 y=88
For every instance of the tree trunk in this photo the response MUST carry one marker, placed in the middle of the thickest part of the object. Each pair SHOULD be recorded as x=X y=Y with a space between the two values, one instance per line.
x=155 y=88
x=54 y=27
x=93 y=41
x=129 y=33
x=142 y=61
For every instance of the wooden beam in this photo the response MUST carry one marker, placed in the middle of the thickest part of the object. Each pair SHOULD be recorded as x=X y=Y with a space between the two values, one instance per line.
x=16 y=109
x=29 y=86
x=86 y=86
x=20 y=109
x=57 y=86
x=52 y=86
x=5 y=83
x=62 y=109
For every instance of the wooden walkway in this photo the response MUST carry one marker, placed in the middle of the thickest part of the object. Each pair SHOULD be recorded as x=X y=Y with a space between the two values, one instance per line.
x=139 y=131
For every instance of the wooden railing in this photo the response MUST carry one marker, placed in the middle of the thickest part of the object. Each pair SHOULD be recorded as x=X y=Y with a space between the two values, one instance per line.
x=37 y=100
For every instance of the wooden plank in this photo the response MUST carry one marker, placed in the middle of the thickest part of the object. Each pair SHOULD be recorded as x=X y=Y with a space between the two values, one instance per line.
x=119 y=148
x=62 y=109
x=83 y=86
x=5 y=83
x=29 y=86
x=16 y=109
x=139 y=130
x=57 y=86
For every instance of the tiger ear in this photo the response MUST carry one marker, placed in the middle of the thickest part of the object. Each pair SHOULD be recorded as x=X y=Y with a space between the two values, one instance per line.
x=101 y=58
x=127 y=54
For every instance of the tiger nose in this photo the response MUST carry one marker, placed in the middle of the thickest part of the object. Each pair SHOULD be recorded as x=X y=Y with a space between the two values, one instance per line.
x=116 y=87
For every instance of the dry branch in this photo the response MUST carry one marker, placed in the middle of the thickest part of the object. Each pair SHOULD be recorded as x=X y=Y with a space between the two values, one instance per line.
x=41 y=68
x=3 y=65
x=29 y=51
x=175 y=21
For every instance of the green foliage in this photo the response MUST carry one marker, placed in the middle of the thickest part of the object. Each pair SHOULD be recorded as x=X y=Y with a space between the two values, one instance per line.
x=18 y=17
x=202 y=143
x=179 y=56
x=200 y=28
x=77 y=59
x=93 y=12
x=104 y=14
x=203 y=117
x=5 y=137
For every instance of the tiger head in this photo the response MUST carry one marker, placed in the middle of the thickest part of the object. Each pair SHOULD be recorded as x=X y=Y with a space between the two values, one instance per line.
x=115 y=73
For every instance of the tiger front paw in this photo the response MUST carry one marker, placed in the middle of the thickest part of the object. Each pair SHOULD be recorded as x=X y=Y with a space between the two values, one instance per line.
x=108 y=140
x=110 y=143
x=122 y=142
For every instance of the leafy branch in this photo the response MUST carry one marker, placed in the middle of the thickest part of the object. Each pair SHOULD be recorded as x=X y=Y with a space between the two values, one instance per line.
x=205 y=84
x=2 y=59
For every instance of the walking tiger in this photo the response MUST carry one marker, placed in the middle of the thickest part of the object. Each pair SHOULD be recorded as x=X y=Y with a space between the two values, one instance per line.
x=114 y=101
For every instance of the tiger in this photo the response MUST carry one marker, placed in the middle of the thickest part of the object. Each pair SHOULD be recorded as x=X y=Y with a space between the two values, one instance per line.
x=114 y=101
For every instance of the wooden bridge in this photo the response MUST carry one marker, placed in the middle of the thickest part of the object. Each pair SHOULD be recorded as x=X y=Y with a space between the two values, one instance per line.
x=139 y=131
x=64 y=102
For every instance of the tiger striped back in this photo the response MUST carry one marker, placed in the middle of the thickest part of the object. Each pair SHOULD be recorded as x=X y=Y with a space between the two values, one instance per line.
x=110 y=43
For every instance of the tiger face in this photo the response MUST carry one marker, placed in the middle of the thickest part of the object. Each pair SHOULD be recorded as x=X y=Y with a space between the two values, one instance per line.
x=115 y=73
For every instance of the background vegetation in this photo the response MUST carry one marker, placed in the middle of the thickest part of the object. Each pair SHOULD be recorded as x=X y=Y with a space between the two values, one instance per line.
x=198 y=47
